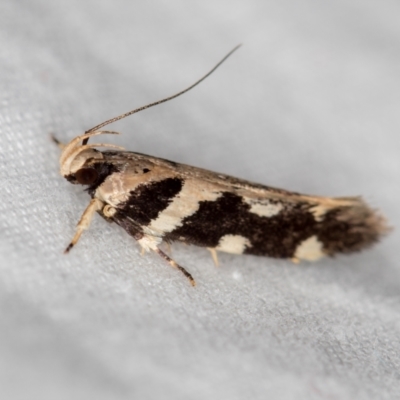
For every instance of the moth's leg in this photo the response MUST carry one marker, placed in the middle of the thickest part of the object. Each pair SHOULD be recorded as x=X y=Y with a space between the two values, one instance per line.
x=84 y=222
x=295 y=260
x=168 y=249
x=151 y=243
x=173 y=264
x=214 y=255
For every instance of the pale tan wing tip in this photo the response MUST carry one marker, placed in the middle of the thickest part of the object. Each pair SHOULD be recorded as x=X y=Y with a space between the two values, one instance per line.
x=379 y=224
x=362 y=213
x=350 y=225
x=374 y=219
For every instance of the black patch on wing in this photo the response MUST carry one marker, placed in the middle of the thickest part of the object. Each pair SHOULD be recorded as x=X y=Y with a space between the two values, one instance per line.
x=148 y=200
x=276 y=236
x=104 y=170
x=344 y=229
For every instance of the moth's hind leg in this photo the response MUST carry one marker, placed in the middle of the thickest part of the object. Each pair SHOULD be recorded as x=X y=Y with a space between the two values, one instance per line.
x=151 y=243
x=84 y=222
x=214 y=255
x=173 y=264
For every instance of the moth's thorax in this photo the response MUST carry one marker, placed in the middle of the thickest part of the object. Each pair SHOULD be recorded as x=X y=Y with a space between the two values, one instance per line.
x=114 y=190
x=119 y=186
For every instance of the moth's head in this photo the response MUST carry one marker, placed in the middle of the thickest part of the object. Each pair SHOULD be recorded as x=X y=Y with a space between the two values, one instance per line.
x=77 y=159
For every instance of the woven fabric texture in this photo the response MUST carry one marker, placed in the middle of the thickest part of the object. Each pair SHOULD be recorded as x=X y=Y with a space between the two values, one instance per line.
x=310 y=103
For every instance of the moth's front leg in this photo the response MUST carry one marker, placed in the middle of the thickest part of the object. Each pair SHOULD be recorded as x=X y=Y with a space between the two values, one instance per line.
x=84 y=222
x=151 y=243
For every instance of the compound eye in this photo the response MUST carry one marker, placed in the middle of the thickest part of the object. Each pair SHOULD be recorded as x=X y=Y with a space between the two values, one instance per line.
x=86 y=176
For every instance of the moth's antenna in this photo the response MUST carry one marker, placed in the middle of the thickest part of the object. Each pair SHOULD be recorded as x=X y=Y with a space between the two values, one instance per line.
x=109 y=121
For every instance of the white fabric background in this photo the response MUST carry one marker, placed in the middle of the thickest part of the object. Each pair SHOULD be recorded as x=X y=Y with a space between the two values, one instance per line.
x=309 y=103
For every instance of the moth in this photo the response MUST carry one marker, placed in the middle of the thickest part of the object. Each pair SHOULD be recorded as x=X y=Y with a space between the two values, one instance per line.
x=157 y=200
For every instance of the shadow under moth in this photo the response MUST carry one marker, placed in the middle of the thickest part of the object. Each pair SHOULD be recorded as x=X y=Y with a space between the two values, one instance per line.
x=157 y=200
